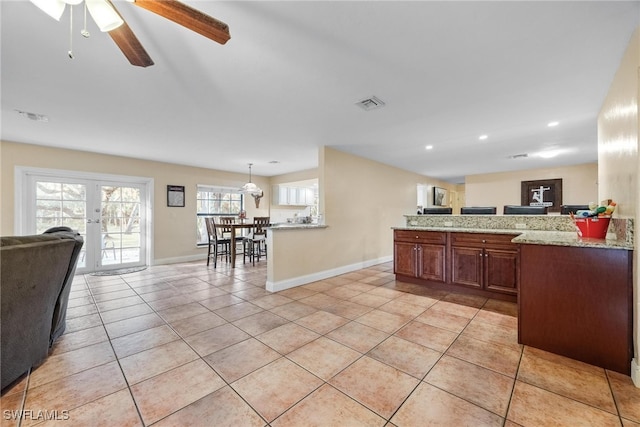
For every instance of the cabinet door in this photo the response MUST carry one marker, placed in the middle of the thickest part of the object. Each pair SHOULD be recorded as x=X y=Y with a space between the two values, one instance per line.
x=404 y=258
x=466 y=266
x=292 y=196
x=431 y=262
x=501 y=271
x=284 y=195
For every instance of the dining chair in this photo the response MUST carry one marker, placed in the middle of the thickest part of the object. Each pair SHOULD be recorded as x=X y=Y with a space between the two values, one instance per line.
x=218 y=245
x=254 y=245
x=227 y=231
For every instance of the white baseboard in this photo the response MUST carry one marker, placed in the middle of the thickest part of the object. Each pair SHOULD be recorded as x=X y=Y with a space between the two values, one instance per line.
x=176 y=260
x=635 y=372
x=303 y=280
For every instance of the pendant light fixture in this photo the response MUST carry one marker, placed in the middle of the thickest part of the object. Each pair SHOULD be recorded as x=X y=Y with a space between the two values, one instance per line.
x=250 y=187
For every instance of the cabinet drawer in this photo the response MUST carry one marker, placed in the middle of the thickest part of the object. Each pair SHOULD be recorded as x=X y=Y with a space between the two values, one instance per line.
x=498 y=241
x=433 y=237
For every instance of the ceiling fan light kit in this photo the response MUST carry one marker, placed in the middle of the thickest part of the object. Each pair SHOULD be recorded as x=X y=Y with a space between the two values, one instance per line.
x=53 y=8
x=104 y=15
x=108 y=19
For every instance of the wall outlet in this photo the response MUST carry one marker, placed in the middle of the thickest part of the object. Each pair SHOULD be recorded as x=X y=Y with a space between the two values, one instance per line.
x=448 y=223
x=521 y=226
x=413 y=222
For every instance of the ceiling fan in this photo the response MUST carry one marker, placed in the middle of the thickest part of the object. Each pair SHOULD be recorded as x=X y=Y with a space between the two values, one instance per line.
x=109 y=20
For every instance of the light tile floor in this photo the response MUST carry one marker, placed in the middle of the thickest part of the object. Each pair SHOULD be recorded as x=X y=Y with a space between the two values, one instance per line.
x=185 y=345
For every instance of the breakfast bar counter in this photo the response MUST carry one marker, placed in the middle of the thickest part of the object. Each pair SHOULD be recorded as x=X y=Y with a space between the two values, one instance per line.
x=574 y=294
x=538 y=237
x=294 y=226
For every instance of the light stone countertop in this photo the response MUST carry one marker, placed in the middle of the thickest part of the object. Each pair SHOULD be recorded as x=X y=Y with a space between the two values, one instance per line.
x=291 y=226
x=538 y=237
x=566 y=238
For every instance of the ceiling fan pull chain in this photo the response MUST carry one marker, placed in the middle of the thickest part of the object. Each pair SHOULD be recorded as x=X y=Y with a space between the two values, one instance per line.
x=84 y=31
x=71 y=31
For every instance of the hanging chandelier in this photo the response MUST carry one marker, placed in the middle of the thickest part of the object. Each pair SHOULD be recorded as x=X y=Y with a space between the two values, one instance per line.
x=250 y=187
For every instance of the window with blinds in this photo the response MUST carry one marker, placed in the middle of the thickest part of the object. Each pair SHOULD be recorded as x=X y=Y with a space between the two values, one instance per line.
x=215 y=201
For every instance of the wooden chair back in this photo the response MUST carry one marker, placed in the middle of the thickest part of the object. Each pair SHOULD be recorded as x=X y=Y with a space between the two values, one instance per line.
x=223 y=226
x=259 y=225
x=211 y=229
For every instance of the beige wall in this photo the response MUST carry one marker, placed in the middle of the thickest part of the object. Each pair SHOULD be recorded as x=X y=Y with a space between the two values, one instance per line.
x=618 y=135
x=360 y=200
x=618 y=129
x=174 y=229
x=579 y=185
x=295 y=176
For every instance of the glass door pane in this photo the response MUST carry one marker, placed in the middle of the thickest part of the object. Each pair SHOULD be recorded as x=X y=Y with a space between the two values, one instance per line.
x=109 y=215
x=62 y=204
x=120 y=226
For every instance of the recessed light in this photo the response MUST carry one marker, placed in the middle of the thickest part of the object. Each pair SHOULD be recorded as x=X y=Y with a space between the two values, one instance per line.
x=553 y=124
x=483 y=137
x=429 y=147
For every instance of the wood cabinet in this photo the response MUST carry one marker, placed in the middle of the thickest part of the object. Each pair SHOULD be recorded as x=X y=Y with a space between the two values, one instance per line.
x=420 y=254
x=485 y=261
x=476 y=263
x=578 y=302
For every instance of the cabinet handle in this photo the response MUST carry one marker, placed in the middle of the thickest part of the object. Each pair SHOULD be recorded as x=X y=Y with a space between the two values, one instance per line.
x=417 y=237
x=484 y=241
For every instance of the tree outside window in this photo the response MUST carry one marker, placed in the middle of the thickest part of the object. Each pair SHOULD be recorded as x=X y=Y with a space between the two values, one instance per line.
x=215 y=201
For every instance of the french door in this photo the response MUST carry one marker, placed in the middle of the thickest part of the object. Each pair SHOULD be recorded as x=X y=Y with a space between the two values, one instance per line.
x=110 y=215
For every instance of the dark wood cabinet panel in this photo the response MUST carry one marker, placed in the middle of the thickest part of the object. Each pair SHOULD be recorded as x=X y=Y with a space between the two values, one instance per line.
x=501 y=270
x=432 y=262
x=482 y=264
x=485 y=261
x=434 y=237
x=577 y=302
x=420 y=254
x=466 y=266
x=404 y=258
x=482 y=240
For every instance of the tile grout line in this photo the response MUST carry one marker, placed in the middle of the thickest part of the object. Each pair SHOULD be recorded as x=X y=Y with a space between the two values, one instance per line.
x=135 y=403
x=199 y=358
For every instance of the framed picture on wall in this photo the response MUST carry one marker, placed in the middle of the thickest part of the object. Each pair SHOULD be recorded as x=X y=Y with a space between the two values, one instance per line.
x=542 y=192
x=175 y=196
x=439 y=196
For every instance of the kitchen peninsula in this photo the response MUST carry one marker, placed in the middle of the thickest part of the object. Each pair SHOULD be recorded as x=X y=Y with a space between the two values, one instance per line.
x=574 y=294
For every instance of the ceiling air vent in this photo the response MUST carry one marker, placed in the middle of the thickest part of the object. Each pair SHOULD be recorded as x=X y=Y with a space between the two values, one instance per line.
x=33 y=116
x=370 y=103
x=518 y=156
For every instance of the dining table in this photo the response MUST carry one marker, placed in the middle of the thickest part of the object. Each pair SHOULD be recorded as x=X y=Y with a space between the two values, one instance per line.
x=234 y=233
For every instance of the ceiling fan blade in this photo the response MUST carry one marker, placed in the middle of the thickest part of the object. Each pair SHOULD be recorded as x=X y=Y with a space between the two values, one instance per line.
x=129 y=44
x=188 y=17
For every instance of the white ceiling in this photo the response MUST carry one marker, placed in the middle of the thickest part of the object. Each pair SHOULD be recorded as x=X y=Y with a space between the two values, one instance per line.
x=288 y=80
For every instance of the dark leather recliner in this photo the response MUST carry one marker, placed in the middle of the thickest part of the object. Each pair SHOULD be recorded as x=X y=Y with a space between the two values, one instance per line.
x=60 y=312
x=35 y=279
